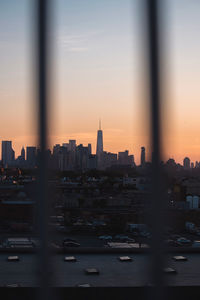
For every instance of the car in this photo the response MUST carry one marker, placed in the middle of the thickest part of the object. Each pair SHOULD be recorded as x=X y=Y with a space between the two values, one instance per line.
x=172 y=243
x=54 y=245
x=69 y=240
x=63 y=229
x=123 y=238
x=71 y=244
x=105 y=237
x=196 y=244
x=183 y=241
x=12 y=285
x=130 y=240
x=13 y=258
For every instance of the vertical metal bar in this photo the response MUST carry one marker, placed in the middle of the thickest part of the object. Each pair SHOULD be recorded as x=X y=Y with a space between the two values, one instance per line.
x=42 y=6
x=157 y=192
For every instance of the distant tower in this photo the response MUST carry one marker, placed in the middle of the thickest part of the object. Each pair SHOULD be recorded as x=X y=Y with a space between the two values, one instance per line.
x=186 y=163
x=142 y=156
x=89 y=149
x=99 y=149
x=23 y=153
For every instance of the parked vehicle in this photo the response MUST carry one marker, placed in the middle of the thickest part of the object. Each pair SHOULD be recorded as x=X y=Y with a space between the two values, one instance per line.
x=12 y=285
x=69 y=240
x=130 y=240
x=184 y=241
x=196 y=244
x=71 y=244
x=63 y=229
x=105 y=237
x=123 y=238
x=172 y=243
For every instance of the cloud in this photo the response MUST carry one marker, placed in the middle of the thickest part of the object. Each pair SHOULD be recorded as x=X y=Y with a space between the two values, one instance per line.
x=76 y=42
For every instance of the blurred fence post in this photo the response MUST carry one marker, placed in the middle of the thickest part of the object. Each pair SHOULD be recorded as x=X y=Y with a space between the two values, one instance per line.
x=42 y=62
x=157 y=199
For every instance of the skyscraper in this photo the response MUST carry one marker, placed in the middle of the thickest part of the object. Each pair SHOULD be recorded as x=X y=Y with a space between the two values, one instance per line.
x=142 y=156
x=90 y=149
x=72 y=145
x=23 y=153
x=99 y=150
x=8 y=155
x=186 y=163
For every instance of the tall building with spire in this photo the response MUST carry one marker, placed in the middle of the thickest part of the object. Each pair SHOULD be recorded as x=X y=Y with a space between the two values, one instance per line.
x=99 y=149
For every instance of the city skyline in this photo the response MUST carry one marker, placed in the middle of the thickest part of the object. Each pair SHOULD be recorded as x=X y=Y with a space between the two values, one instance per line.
x=186 y=162
x=104 y=59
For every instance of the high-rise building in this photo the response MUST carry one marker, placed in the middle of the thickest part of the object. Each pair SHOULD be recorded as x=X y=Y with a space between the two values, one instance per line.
x=66 y=145
x=8 y=155
x=186 y=163
x=31 y=156
x=108 y=160
x=99 y=149
x=23 y=153
x=143 y=156
x=82 y=158
x=125 y=159
x=72 y=145
x=90 y=148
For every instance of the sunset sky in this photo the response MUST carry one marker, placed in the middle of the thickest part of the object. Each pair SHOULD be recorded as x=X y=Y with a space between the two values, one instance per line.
x=98 y=71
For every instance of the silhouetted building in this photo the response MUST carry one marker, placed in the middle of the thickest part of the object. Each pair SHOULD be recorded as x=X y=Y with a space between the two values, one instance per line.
x=23 y=153
x=20 y=161
x=197 y=164
x=108 y=160
x=82 y=157
x=186 y=163
x=8 y=155
x=90 y=148
x=63 y=158
x=99 y=150
x=31 y=156
x=125 y=159
x=72 y=145
x=142 y=156
x=66 y=145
